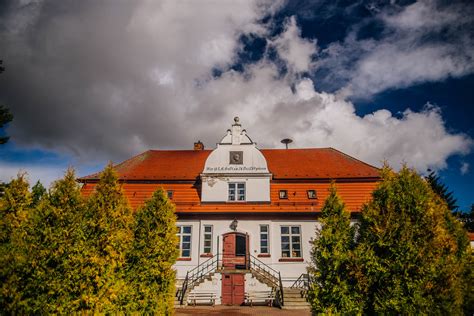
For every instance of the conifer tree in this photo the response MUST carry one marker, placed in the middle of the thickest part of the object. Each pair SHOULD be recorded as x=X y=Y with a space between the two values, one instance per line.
x=55 y=248
x=109 y=226
x=153 y=254
x=442 y=190
x=467 y=218
x=332 y=289
x=14 y=252
x=38 y=191
x=411 y=252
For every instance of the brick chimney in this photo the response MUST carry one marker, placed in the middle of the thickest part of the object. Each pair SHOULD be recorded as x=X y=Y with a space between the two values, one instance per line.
x=198 y=145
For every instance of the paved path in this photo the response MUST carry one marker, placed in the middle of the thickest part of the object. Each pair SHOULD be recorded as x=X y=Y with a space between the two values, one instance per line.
x=239 y=310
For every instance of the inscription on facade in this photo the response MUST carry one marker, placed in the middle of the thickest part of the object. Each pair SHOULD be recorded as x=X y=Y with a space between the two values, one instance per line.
x=231 y=168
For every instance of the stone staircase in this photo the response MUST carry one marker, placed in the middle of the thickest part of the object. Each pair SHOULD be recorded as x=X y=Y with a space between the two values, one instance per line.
x=295 y=299
x=191 y=286
x=265 y=277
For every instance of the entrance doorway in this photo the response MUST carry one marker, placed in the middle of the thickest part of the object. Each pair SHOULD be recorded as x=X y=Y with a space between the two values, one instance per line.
x=235 y=262
x=235 y=252
x=233 y=289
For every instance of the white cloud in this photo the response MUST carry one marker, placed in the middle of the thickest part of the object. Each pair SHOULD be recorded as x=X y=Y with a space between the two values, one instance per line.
x=296 y=51
x=271 y=111
x=464 y=168
x=422 y=42
x=108 y=82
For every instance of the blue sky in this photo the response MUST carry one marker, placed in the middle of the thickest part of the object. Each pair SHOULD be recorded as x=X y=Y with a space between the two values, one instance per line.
x=90 y=82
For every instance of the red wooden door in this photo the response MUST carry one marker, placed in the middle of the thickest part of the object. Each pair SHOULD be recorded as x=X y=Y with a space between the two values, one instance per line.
x=233 y=289
x=238 y=291
x=235 y=247
x=228 y=251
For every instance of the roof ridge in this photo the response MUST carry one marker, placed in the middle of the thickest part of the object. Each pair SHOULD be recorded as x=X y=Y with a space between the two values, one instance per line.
x=358 y=160
x=307 y=148
x=193 y=150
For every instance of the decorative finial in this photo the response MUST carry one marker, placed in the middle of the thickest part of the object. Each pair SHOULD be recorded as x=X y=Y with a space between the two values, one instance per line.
x=236 y=120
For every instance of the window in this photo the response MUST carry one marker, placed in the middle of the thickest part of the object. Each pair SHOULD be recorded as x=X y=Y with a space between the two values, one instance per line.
x=264 y=245
x=290 y=242
x=236 y=191
x=170 y=194
x=240 y=245
x=283 y=194
x=311 y=194
x=184 y=234
x=207 y=239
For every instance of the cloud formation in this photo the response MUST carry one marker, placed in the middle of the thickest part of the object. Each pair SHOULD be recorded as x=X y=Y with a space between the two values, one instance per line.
x=425 y=41
x=108 y=80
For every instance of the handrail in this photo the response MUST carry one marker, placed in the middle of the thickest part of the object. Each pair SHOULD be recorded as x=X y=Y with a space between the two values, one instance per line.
x=276 y=276
x=302 y=282
x=282 y=299
x=184 y=288
x=197 y=273
x=263 y=264
x=212 y=264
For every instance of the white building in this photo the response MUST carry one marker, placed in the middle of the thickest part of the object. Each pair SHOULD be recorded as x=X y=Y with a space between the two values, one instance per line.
x=245 y=215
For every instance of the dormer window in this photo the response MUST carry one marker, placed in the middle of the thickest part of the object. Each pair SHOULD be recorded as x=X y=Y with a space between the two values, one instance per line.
x=236 y=191
x=283 y=194
x=311 y=194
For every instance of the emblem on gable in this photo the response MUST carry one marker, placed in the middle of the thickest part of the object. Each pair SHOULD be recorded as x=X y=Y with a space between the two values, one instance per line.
x=236 y=157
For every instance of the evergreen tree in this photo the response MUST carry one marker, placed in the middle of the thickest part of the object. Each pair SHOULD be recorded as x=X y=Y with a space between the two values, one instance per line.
x=56 y=249
x=109 y=238
x=14 y=253
x=442 y=190
x=411 y=253
x=150 y=272
x=468 y=278
x=332 y=289
x=38 y=191
x=467 y=218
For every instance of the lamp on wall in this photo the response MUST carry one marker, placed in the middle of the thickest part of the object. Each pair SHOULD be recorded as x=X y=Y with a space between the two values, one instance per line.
x=233 y=225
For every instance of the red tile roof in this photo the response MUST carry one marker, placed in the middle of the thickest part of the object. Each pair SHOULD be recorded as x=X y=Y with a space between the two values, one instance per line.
x=471 y=236
x=187 y=200
x=311 y=163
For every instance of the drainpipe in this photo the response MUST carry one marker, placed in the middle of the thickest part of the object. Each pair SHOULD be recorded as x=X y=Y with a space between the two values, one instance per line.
x=199 y=244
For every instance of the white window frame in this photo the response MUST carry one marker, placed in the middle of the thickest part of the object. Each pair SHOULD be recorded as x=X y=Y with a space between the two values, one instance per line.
x=268 y=238
x=236 y=193
x=211 y=234
x=314 y=197
x=181 y=234
x=290 y=240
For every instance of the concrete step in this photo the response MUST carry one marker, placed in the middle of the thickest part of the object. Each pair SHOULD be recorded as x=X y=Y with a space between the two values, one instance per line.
x=291 y=302
x=292 y=294
x=294 y=299
x=297 y=307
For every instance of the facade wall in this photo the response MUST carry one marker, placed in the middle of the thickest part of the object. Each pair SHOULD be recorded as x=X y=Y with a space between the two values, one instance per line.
x=290 y=271
x=215 y=189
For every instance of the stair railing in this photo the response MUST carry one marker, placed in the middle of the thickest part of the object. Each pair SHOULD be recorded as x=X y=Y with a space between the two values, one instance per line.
x=270 y=274
x=303 y=282
x=198 y=273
